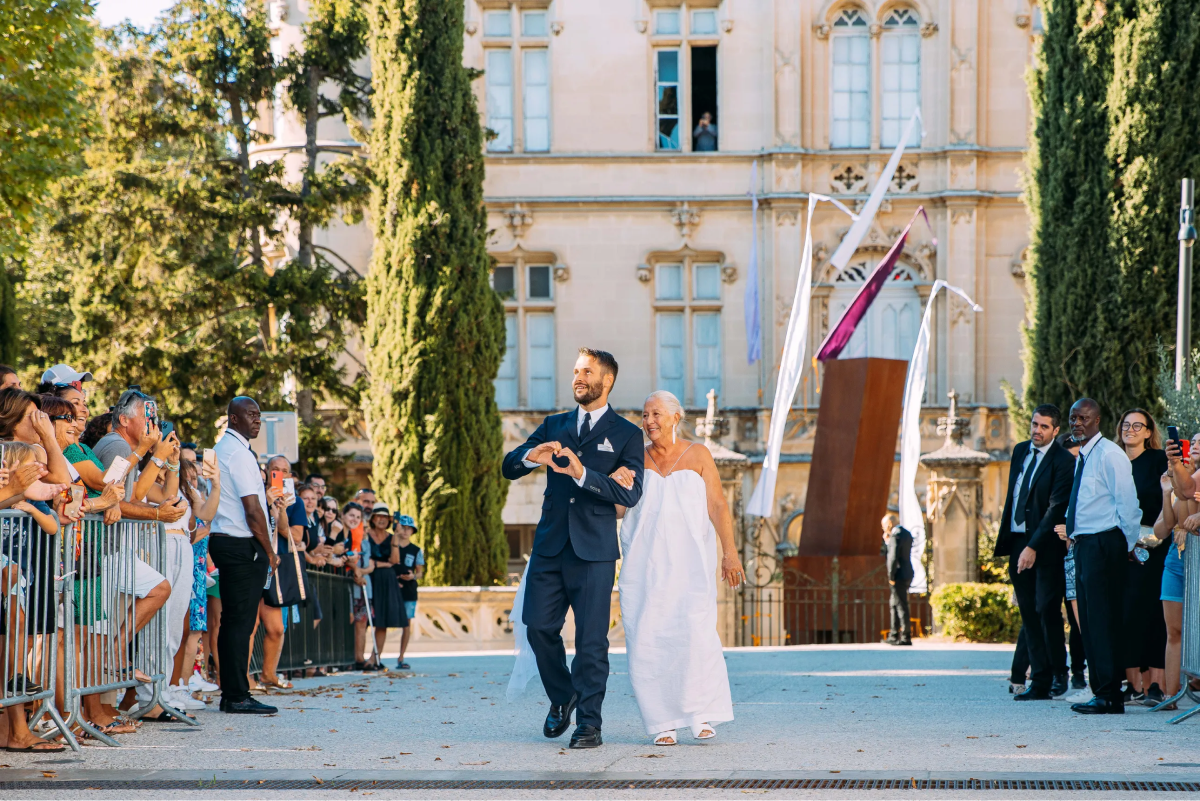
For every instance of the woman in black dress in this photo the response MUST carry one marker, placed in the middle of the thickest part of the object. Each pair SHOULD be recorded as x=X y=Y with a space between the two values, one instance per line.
x=387 y=610
x=1145 y=629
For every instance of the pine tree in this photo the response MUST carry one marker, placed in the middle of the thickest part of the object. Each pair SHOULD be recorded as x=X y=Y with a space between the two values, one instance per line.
x=435 y=328
x=1154 y=142
x=1072 y=346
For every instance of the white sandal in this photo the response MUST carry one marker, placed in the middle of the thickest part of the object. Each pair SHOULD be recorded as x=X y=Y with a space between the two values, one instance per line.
x=704 y=732
x=665 y=738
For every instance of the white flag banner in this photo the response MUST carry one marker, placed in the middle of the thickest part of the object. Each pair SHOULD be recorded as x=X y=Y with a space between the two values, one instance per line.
x=910 y=434
x=841 y=256
x=791 y=368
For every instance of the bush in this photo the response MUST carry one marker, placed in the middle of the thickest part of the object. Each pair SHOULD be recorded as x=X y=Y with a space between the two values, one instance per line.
x=976 y=612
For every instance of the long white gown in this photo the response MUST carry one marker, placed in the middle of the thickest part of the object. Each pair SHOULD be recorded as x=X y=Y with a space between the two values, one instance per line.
x=668 y=586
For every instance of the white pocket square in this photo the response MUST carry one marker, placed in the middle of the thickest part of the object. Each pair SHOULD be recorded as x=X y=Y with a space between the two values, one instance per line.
x=605 y=446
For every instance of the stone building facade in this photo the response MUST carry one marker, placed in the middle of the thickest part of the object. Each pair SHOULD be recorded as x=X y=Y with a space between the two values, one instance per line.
x=614 y=226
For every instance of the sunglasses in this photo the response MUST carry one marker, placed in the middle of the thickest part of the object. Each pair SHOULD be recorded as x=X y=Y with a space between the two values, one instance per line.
x=75 y=385
x=68 y=417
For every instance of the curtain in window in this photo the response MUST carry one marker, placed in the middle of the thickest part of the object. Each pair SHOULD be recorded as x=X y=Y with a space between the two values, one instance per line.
x=500 y=98
x=539 y=329
x=506 y=378
x=670 y=353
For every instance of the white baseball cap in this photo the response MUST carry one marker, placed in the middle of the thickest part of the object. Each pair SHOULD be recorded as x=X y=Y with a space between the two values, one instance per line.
x=64 y=374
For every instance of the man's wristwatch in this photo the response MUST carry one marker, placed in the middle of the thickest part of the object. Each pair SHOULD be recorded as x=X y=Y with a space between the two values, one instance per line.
x=161 y=464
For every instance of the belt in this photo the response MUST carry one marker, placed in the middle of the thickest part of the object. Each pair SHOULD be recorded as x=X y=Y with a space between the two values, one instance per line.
x=230 y=536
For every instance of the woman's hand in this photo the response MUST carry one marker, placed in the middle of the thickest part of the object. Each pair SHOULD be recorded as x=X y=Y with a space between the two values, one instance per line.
x=200 y=533
x=42 y=425
x=112 y=495
x=1164 y=482
x=732 y=570
x=4 y=471
x=172 y=510
x=1180 y=538
x=210 y=472
x=623 y=476
x=39 y=491
x=24 y=506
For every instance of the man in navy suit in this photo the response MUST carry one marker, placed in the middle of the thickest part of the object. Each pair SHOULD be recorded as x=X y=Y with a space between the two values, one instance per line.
x=575 y=547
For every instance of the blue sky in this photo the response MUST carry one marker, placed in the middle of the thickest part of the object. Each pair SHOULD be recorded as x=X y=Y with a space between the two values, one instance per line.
x=140 y=12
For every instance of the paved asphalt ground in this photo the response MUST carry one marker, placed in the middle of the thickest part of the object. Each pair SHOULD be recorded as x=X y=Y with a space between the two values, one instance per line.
x=932 y=710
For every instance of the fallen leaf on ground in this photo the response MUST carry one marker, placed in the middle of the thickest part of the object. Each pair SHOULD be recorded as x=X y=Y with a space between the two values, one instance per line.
x=49 y=774
x=437 y=759
x=488 y=762
x=972 y=737
x=1022 y=746
x=318 y=781
x=651 y=756
x=333 y=731
x=445 y=746
x=406 y=753
x=447 y=722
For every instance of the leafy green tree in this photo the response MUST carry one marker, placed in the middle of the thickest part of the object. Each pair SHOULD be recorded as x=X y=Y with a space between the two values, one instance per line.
x=154 y=267
x=1073 y=345
x=44 y=49
x=435 y=328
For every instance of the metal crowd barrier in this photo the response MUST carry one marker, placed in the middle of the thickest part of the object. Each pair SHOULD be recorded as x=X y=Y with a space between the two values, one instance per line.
x=305 y=645
x=30 y=584
x=1191 y=630
x=104 y=646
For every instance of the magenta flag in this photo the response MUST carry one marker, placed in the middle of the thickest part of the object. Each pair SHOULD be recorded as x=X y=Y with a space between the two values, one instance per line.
x=841 y=332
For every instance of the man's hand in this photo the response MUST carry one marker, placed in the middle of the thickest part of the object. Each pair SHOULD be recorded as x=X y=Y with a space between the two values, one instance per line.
x=172 y=510
x=274 y=494
x=112 y=515
x=574 y=467
x=148 y=442
x=544 y=453
x=623 y=476
x=1061 y=531
x=164 y=448
x=1180 y=538
x=1164 y=482
x=1027 y=558
x=1192 y=523
x=273 y=560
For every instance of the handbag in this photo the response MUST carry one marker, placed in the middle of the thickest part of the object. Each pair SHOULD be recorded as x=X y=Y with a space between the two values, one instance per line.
x=290 y=587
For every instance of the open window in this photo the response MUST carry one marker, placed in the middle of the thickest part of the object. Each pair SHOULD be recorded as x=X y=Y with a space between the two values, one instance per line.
x=704 y=97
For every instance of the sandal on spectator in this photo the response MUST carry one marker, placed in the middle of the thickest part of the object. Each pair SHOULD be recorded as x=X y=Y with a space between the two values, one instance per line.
x=40 y=747
x=279 y=685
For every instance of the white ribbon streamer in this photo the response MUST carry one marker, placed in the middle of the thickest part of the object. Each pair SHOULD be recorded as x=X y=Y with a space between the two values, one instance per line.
x=911 y=516
x=791 y=368
x=841 y=256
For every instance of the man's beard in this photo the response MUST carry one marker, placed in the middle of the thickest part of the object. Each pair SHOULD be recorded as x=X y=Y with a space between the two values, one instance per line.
x=593 y=393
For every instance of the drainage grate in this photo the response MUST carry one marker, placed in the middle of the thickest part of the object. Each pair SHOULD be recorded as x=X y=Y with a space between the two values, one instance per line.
x=618 y=784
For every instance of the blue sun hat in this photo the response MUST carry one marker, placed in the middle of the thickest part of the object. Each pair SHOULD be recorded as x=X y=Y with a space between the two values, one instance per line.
x=406 y=520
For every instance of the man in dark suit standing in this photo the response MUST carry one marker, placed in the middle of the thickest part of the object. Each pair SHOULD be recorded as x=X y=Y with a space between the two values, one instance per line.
x=897 y=549
x=1039 y=487
x=575 y=548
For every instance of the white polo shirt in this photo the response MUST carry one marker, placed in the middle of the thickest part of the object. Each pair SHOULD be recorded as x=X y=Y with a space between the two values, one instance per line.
x=239 y=478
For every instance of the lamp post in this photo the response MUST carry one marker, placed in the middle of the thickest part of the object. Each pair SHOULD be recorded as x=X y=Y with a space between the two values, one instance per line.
x=1183 y=319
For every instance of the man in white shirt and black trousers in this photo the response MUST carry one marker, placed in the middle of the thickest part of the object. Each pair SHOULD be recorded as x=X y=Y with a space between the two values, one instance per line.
x=241 y=547
x=1103 y=524
x=1039 y=486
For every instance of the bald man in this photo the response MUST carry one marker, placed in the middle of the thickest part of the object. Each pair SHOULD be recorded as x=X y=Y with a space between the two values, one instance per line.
x=241 y=548
x=1103 y=524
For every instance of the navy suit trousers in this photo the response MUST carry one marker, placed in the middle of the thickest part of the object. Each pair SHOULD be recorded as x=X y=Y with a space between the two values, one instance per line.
x=555 y=583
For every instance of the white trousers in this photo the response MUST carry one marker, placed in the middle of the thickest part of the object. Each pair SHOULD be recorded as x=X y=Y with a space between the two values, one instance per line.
x=179 y=563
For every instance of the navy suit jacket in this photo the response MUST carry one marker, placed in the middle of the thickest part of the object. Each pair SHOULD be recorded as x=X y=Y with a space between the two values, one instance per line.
x=587 y=515
x=1046 y=506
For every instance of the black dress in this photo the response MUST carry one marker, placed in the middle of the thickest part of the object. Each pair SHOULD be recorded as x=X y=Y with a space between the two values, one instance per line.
x=1145 y=629
x=386 y=608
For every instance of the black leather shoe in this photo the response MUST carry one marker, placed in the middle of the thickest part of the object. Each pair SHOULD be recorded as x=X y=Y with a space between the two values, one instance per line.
x=1099 y=706
x=1078 y=682
x=1058 y=686
x=222 y=704
x=586 y=736
x=1032 y=694
x=904 y=641
x=889 y=640
x=559 y=718
x=250 y=706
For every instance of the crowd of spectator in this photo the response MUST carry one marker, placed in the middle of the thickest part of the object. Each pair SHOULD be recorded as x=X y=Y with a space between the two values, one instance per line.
x=60 y=465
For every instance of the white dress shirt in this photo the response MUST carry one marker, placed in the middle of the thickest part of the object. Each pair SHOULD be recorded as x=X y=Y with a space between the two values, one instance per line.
x=1014 y=526
x=239 y=478
x=579 y=415
x=1107 y=496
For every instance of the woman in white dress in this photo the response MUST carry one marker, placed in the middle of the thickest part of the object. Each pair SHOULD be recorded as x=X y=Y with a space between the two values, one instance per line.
x=668 y=580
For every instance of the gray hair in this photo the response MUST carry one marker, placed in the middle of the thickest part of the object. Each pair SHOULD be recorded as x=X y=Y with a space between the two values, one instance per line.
x=128 y=404
x=670 y=401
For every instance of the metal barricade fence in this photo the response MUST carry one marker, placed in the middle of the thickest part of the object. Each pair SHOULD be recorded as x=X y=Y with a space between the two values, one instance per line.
x=1190 y=646
x=107 y=646
x=31 y=583
x=307 y=645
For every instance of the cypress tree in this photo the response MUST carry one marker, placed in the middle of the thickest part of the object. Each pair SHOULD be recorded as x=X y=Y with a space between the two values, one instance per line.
x=435 y=328
x=1154 y=142
x=1072 y=347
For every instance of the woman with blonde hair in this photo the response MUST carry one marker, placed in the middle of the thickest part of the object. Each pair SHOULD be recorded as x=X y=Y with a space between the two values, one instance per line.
x=668 y=579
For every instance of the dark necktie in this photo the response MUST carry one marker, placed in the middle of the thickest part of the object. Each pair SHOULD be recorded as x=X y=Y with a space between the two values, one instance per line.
x=1074 y=494
x=586 y=428
x=1023 y=498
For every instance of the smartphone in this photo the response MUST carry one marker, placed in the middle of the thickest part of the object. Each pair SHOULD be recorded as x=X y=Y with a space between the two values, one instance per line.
x=117 y=470
x=1185 y=447
x=166 y=427
x=210 y=459
x=1173 y=433
x=277 y=479
x=289 y=490
x=77 y=495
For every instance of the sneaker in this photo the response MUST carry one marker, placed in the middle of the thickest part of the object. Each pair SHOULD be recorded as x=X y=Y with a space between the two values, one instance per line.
x=1078 y=682
x=181 y=698
x=1079 y=696
x=1132 y=696
x=1154 y=695
x=1014 y=688
x=249 y=707
x=199 y=684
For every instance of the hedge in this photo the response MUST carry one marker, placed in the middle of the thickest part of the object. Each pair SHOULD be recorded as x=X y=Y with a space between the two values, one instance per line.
x=976 y=612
